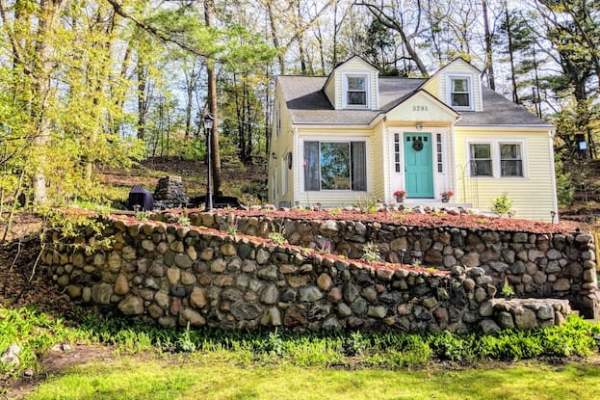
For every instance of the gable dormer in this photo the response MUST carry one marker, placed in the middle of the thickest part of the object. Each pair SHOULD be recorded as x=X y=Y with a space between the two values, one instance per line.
x=458 y=84
x=352 y=85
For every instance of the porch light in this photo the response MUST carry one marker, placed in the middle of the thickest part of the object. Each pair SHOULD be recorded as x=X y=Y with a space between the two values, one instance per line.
x=419 y=126
x=208 y=121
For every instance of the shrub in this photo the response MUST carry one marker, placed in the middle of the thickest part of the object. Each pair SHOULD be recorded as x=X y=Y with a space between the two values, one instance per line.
x=502 y=205
x=277 y=238
x=371 y=252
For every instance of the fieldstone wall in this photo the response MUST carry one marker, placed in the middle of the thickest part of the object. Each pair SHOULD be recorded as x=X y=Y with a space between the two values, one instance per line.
x=178 y=275
x=538 y=265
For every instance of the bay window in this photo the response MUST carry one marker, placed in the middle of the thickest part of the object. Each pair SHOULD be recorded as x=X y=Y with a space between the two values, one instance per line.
x=335 y=166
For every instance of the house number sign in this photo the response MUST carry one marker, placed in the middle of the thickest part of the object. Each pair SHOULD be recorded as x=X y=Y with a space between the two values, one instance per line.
x=420 y=108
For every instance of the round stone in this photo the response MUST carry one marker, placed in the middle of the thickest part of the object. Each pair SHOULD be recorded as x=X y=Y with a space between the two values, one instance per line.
x=324 y=282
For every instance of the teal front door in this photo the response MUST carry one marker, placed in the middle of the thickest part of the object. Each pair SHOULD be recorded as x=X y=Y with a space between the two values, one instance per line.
x=418 y=165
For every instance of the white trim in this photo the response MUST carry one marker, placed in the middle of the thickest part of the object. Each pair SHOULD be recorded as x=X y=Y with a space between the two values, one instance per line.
x=495 y=154
x=508 y=127
x=471 y=93
x=366 y=76
x=553 y=175
x=397 y=180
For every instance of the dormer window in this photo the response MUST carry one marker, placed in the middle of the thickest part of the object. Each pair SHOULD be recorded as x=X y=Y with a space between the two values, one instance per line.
x=356 y=91
x=460 y=92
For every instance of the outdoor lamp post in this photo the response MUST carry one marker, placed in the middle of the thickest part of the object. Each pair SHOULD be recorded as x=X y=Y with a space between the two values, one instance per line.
x=208 y=127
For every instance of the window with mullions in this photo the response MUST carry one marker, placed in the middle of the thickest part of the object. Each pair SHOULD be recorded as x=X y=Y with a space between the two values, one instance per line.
x=397 y=151
x=481 y=159
x=440 y=164
x=356 y=92
x=511 y=159
x=459 y=92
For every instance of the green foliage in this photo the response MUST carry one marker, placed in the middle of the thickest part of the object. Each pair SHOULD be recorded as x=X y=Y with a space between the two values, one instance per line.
x=69 y=228
x=507 y=289
x=371 y=252
x=502 y=205
x=564 y=185
x=142 y=216
x=36 y=332
x=367 y=204
x=184 y=220
x=278 y=238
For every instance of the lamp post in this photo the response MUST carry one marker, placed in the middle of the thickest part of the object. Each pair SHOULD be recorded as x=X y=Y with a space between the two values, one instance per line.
x=208 y=127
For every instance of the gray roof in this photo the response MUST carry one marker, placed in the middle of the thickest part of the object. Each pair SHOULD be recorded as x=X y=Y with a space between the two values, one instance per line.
x=308 y=104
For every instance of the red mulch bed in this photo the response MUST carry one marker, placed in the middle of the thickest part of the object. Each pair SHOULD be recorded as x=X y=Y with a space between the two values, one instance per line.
x=427 y=220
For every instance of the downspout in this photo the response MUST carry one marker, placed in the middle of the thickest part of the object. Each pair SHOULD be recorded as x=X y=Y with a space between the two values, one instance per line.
x=551 y=134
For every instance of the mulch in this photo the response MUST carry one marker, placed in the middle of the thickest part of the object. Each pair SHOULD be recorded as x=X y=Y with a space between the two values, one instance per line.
x=425 y=220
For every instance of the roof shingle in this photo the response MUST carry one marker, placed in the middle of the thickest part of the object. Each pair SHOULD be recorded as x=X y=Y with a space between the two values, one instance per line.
x=309 y=105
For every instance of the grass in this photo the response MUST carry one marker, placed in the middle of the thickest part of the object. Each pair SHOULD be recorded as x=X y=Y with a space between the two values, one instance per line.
x=215 y=377
x=152 y=362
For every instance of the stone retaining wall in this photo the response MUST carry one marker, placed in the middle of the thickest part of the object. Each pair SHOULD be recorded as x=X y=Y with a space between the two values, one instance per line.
x=539 y=265
x=178 y=276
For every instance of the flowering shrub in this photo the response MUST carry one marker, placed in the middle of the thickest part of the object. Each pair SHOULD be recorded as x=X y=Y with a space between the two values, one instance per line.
x=399 y=193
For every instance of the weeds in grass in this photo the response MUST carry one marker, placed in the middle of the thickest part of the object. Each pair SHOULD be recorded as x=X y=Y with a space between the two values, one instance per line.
x=37 y=332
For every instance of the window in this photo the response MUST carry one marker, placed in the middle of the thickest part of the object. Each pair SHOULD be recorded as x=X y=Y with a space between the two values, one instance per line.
x=397 y=151
x=335 y=166
x=356 y=91
x=481 y=159
x=440 y=164
x=459 y=92
x=511 y=161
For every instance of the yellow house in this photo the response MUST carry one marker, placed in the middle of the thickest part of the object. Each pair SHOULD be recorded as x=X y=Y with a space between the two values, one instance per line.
x=355 y=135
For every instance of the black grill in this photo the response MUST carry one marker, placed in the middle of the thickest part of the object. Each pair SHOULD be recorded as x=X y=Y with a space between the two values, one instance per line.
x=140 y=199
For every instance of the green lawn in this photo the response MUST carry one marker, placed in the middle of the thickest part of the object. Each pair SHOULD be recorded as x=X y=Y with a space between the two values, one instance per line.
x=209 y=377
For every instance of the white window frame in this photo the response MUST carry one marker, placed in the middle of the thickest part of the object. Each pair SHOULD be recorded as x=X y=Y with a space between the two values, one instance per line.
x=496 y=161
x=520 y=144
x=365 y=76
x=325 y=139
x=471 y=93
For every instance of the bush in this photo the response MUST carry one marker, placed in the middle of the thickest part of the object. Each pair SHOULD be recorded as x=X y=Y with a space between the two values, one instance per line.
x=502 y=205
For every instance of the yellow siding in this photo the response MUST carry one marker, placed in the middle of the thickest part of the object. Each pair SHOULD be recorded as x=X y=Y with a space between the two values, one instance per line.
x=533 y=196
x=356 y=66
x=421 y=108
x=438 y=84
x=282 y=142
x=338 y=198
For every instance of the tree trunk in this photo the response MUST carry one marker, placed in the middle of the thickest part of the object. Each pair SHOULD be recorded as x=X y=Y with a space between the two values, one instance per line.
x=300 y=38
x=513 y=78
x=335 y=34
x=49 y=11
x=275 y=38
x=213 y=107
x=489 y=56
x=141 y=96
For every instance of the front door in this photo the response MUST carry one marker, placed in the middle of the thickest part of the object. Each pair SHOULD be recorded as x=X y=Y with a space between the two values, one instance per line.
x=418 y=165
